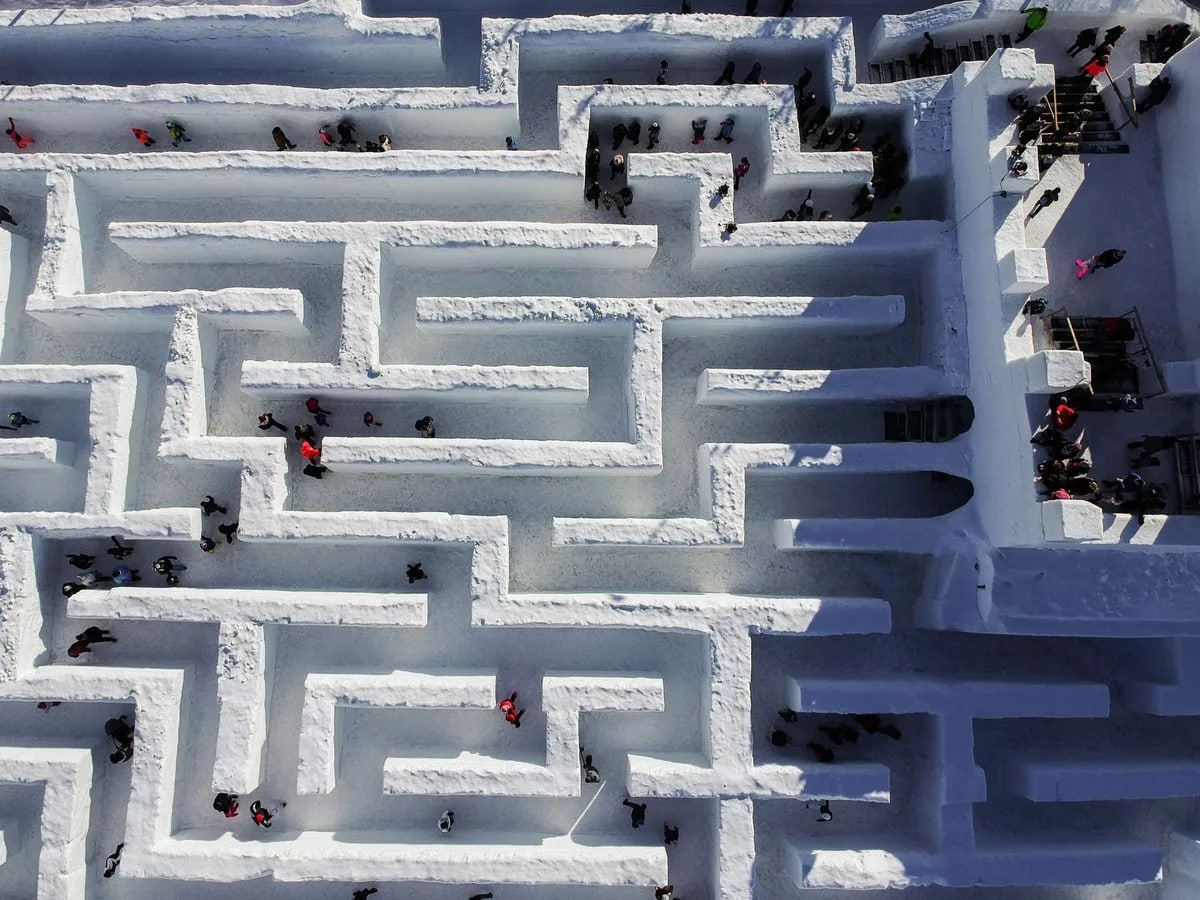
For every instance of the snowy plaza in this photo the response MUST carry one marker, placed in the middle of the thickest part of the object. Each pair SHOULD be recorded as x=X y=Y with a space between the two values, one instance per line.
x=746 y=389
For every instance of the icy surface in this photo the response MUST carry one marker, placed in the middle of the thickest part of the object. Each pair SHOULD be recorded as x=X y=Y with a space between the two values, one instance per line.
x=665 y=499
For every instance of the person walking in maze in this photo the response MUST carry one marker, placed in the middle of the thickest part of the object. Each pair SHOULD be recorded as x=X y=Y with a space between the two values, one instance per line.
x=778 y=737
x=281 y=139
x=266 y=420
x=209 y=505
x=663 y=66
x=623 y=199
x=118 y=552
x=592 y=194
x=815 y=124
x=670 y=834
x=619 y=133
x=726 y=132
x=446 y=821
x=20 y=420
x=177 y=133
x=16 y=137
x=415 y=573
x=89 y=636
x=1048 y=197
x=71 y=588
x=369 y=420
x=740 y=171
x=90 y=579
x=325 y=136
x=653 y=132
x=425 y=427
x=616 y=166
x=1105 y=260
x=81 y=560
x=591 y=775
x=121 y=733
x=1035 y=21
x=865 y=201
x=226 y=804
x=6 y=216
x=1083 y=41
x=664 y=892
x=305 y=433
x=1114 y=34
x=168 y=566
x=113 y=860
x=208 y=545
x=698 y=128
x=1160 y=86
x=345 y=132
x=313 y=405
x=261 y=815
x=824 y=813
x=229 y=530
x=635 y=131
x=726 y=76
x=637 y=815
x=124 y=576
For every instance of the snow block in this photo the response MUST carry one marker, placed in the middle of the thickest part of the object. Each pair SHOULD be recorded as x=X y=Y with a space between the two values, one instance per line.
x=1056 y=370
x=1072 y=521
x=1024 y=270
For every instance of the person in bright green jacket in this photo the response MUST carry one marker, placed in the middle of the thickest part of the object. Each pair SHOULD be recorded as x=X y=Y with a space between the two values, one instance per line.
x=1033 y=22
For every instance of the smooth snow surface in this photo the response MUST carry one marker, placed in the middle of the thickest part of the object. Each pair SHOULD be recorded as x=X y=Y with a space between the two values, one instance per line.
x=661 y=504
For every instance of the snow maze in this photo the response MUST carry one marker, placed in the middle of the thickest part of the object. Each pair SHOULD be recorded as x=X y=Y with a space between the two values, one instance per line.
x=663 y=502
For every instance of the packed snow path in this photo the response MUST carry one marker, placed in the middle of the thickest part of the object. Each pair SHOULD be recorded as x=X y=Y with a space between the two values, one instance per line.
x=666 y=497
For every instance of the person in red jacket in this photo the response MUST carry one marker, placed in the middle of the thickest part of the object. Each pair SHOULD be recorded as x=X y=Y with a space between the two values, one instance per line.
x=740 y=171
x=143 y=137
x=309 y=452
x=92 y=635
x=17 y=138
x=227 y=804
x=509 y=704
x=513 y=717
x=261 y=815
x=1062 y=416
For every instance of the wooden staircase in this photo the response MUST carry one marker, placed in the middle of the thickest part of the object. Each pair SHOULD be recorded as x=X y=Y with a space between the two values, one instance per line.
x=1099 y=135
x=945 y=60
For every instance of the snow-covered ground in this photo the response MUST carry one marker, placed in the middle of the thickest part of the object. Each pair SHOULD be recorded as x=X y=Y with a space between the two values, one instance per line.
x=662 y=503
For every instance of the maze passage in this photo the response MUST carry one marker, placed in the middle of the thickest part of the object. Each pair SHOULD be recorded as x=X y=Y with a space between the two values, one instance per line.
x=716 y=449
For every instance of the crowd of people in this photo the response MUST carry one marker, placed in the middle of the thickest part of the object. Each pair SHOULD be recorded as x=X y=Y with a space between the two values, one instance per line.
x=1066 y=473
x=838 y=734
x=309 y=443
